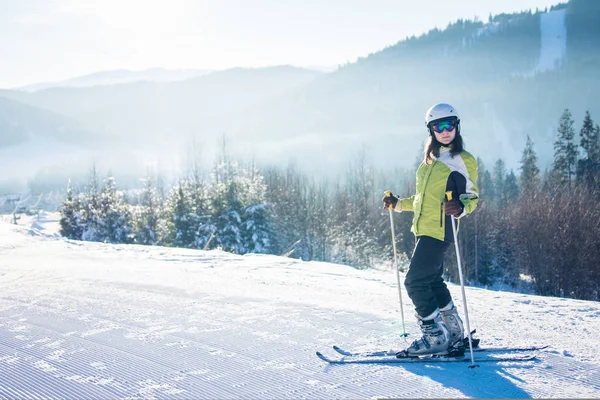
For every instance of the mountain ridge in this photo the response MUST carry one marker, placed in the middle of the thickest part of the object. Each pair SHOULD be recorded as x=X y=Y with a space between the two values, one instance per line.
x=500 y=75
x=119 y=76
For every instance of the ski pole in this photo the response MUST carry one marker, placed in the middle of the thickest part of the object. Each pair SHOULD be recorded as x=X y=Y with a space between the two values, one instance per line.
x=462 y=284
x=404 y=334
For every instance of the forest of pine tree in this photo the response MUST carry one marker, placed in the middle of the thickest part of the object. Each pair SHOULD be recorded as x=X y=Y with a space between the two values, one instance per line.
x=536 y=230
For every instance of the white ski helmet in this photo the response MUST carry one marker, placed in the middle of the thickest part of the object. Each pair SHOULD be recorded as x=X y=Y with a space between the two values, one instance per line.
x=440 y=111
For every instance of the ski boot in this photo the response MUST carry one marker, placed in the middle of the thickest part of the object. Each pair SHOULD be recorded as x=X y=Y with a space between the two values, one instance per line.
x=453 y=323
x=435 y=339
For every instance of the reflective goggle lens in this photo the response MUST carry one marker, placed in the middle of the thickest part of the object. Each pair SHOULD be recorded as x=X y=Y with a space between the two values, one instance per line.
x=441 y=125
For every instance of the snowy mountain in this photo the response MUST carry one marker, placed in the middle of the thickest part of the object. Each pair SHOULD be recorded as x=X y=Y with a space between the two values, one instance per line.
x=34 y=140
x=116 y=77
x=21 y=123
x=92 y=320
x=142 y=113
x=510 y=77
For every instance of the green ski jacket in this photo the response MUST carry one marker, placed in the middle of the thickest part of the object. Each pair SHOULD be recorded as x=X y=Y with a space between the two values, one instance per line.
x=458 y=174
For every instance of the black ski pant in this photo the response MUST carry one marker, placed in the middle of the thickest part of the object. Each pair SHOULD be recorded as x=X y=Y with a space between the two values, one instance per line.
x=424 y=283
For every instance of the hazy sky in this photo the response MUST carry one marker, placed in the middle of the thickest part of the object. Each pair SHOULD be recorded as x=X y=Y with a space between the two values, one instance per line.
x=49 y=40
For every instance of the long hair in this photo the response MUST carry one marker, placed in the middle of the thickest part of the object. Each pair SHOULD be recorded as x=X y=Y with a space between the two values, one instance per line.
x=432 y=146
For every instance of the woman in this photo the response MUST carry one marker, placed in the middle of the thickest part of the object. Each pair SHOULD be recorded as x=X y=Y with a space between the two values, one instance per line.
x=446 y=167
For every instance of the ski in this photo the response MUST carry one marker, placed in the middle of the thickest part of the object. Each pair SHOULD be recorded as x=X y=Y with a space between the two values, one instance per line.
x=420 y=360
x=383 y=353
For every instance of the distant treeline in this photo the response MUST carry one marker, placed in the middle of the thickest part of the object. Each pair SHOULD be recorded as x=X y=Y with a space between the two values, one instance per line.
x=538 y=225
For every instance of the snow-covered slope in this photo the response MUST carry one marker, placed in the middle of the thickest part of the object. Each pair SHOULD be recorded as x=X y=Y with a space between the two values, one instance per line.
x=91 y=320
x=554 y=40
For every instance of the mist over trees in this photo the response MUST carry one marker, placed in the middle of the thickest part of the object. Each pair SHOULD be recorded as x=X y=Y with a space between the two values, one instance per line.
x=532 y=229
x=509 y=76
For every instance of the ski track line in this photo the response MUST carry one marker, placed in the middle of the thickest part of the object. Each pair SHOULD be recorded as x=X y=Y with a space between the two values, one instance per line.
x=149 y=370
x=12 y=393
x=41 y=380
x=120 y=366
x=573 y=370
x=306 y=370
x=324 y=314
x=17 y=390
x=125 y=371
x=360 y=381
x=299 y=391
x=275 y=351
x=81 y=367
x=224 y=345
x=186 y=337
x=295 y=390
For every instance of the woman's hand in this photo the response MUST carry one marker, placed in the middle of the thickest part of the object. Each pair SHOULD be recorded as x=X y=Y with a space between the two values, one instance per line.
x=390 y=201
x=453 y=207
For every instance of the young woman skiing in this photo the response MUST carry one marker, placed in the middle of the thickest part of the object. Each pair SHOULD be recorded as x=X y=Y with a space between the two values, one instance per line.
x=446 y=167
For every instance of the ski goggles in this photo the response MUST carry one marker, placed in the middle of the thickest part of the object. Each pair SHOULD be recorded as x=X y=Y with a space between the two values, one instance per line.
x=439 y=126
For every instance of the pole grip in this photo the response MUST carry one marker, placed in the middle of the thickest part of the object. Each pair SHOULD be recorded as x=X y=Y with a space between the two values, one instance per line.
x=388 y=193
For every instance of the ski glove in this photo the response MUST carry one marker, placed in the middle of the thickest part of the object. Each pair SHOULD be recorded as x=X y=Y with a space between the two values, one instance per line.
x=453 y=207
x=390 y=201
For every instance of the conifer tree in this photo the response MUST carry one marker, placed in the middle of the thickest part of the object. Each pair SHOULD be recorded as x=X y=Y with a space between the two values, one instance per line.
x=200 y=219
x=498 y=179
x=227 y=191
x=258 y=229
x=565 y=150
x=114 y=213
x=589 y=139
x=179 y=226
x=147 y=214
x=511 y=188
x=227 y=217
x=588 y=168
x=92 y=221
x=486 y=180
x=70 y=216
x=530 y=173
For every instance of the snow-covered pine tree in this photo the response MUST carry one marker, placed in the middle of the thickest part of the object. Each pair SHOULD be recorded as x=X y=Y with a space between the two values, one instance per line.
x=200 y=217
x=93 y=225
x=180 y=224
x=115 y=214
x=196 y=191
x=258 y=229
x=147 y=214
x=226 y=208
x=70 y=215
